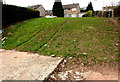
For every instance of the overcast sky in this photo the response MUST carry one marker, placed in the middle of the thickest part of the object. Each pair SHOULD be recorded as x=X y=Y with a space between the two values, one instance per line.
x=48 y=4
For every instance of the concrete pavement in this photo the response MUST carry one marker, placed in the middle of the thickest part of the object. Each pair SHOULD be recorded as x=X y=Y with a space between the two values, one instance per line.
x=26 y=66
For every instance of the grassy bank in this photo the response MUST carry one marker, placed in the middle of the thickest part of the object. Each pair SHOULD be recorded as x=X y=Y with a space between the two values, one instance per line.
x=87 y=40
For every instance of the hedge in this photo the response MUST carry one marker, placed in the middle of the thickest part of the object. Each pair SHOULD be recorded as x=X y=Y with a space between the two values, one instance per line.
x=12 y=14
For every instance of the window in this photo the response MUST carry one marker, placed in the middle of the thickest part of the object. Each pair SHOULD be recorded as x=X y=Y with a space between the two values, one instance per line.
x=73 y=9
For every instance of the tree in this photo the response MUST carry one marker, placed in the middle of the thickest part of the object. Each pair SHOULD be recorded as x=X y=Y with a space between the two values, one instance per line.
x=89 y=7
x=58 y=9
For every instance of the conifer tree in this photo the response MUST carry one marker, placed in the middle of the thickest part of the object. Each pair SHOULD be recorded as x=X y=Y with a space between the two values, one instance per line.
x=89 y=7
x=58 y=9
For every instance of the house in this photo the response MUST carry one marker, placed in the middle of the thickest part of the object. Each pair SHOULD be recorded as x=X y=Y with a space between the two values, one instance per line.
x=71 y=10
x=109 y=9
x=48 y=12
x=40 y=8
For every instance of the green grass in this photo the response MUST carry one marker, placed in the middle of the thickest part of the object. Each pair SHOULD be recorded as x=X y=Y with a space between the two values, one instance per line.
x=89 y=40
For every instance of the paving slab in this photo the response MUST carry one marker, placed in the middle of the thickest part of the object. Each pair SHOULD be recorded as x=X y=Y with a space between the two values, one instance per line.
x=26 y=66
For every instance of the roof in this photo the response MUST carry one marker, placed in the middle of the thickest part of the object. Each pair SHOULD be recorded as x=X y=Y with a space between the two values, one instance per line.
x=109 y=7
x=36 y=6
x=71 y=5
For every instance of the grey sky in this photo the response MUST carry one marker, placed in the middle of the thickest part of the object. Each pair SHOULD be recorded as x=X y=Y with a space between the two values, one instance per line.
x=48 y=4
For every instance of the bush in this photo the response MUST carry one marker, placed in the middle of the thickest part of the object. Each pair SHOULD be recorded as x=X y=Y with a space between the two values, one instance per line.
x=99 y=14
x=12 y=14
x=88 y=14
x=95 y=13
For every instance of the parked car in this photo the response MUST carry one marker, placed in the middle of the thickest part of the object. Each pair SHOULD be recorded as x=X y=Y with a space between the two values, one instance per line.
x=48 y=16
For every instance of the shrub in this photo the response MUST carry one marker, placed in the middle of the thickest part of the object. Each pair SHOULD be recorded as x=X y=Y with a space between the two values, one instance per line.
x=88 y=14
x=99 y=14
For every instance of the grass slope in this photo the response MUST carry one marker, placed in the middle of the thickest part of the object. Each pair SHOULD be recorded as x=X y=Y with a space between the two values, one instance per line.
x=88 y=40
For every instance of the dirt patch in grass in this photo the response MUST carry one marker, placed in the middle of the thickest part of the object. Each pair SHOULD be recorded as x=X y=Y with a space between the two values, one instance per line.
x=73 y=71
x=115 y=21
